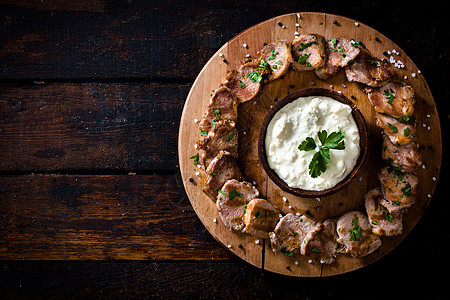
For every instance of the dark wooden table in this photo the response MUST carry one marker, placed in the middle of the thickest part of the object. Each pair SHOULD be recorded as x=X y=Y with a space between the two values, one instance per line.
x=91 y=200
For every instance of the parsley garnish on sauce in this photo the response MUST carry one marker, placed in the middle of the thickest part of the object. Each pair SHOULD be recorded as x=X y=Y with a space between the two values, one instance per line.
x=320 y=160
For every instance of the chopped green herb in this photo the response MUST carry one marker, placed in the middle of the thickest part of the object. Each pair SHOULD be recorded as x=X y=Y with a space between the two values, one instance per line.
x=304 y=46
x=279 y=62
x=257 y=215
x=355 y=233
x=242 y=84
x=255 y=76
x=195 y=158
x=404 y=118
x=406 y=131
x=286 y=252
x=230 y=137
x=388 y=217
x=273 y=54
x=232 y=194
x=203 y=132
x=393 y=128
x=222 y=192
x=302 y=58
x=407 y=190
x=216 y=112
x=355 y=43
x=389 y=95
x=374 y=222
x=376 y=63
x=315 y=250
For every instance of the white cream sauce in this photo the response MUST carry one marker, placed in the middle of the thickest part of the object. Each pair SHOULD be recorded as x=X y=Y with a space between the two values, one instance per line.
x=303 y=118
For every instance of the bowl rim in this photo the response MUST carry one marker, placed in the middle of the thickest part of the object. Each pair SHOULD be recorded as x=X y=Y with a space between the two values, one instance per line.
x=363 y=142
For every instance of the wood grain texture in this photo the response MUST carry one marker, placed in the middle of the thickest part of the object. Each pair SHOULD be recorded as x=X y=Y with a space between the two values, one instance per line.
x=110 y=217
x=90 y=126
x=251 y=114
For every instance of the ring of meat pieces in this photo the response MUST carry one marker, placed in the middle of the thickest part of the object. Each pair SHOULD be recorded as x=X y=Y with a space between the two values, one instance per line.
x=237 y=202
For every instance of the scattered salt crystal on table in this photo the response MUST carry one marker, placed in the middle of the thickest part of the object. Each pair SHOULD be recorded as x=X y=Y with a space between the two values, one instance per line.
x=221 y=54
x=413 y=75
x=229 y=246
x=215 y=220
x=296 y=262
x=423 y=166
x=310 y=261
x=428 y=116
x=257 y=242
x=197 y=173
x=248 y=55
x=356 y=24
x=284 y=199
x=429 y=196
x=434 y=178
x=405 y=77
x=244 y=45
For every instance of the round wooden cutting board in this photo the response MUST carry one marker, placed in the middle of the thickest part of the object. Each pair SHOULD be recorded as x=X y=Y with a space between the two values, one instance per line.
x=256 y=251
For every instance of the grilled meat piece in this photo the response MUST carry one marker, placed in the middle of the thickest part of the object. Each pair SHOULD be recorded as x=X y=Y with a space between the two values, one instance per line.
x=232 y=201
x=339 y=52
x=221 y=169
x=355 y=233
x=382 y=221
x=275 y=58
x=394 y=99
x=405 y=158
x=320 y=242
x=399 y=133
x=260 y=218
x=289 y=233
x=222 y=106
x=400 y=190
x=369 y=70
x=241 y=85
x=308 y=52
x=223 y=137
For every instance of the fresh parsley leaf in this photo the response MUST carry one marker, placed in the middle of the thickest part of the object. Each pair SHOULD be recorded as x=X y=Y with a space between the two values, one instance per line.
x=255 y=76
x=308 y=144
x=321 y=159
x=315 y=250
x=203 y=132
x=242 y=84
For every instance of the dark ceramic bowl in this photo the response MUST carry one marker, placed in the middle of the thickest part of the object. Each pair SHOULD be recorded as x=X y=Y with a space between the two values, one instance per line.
x=360 y=122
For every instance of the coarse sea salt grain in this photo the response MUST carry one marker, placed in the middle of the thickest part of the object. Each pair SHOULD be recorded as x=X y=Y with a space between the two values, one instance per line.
x=434 y=178
x=423 y=166
x=197 y=173
x=284 y=199
x=310 y=261
x=221 y=54
x=356 y=24
x=257 y=242
x=244 y=45
x=429 y=196
x=428 y=116
x=247 y=55
x=296 y=262
x=229 y=246
x=215 y=220
x=413 y=75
